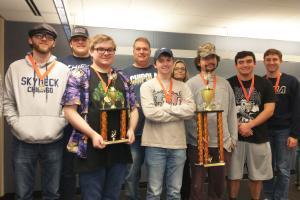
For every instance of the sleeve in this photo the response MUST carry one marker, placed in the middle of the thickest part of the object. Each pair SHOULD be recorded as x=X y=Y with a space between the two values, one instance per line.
x=152 y=112
x=232 y=115
x=186 y=109
x=9 y=102
x=72 y=94
x=295 y=90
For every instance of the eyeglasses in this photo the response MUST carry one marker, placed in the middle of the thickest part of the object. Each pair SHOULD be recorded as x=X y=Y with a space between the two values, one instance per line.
x=179 y=69
x=109 y=51
x=43 y=35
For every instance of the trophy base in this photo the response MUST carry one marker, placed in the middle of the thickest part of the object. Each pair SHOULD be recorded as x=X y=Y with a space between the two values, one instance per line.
x=199 y=164
x=214 y=164
x=116 y=141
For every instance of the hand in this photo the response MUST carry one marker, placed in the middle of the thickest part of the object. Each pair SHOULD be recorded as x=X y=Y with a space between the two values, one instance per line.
x=130 y=135
x=292 y=142
x=98 y=141
x=245 y=129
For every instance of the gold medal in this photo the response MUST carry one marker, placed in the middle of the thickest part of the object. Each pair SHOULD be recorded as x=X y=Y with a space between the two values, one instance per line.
x=107 y=99
x=41 y=87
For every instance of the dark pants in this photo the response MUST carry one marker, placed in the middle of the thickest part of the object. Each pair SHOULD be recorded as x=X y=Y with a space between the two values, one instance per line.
x=104 y=183
x=186 y=179
x=216 y=176
x=68 y=176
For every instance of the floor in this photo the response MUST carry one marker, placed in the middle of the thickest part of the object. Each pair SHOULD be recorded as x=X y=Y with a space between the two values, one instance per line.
x=294 y=194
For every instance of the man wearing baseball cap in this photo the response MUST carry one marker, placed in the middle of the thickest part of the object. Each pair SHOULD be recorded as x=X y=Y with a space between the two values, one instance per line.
x=206 y=62
x=166 y=102
x=34 y=87
x=80 y=58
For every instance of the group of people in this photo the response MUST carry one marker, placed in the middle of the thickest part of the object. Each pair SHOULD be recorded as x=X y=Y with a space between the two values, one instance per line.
x=42 y=94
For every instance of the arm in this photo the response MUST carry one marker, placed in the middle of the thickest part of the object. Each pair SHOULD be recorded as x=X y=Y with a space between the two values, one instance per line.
x=187 y=107
x=152 y=112
x=134 y=117
x=9 y=102
x=245 y=128
x=81 y=125
x=295 y=125
x=232 y=117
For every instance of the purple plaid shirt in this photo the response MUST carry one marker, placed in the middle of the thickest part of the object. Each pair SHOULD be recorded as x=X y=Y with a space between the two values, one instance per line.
x=77 y=93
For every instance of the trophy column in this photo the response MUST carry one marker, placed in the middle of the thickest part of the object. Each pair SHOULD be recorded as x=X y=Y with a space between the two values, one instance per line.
x=204 y=157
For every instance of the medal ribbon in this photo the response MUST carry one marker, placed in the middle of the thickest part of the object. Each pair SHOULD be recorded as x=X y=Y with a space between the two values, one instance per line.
x=37 y=69
x=247 y=96
x=278 y=76
x=168 y=94
x=206 y=81
x=105 y=87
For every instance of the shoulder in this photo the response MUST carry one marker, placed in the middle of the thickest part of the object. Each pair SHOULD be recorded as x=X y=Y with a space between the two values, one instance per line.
x=232 y=79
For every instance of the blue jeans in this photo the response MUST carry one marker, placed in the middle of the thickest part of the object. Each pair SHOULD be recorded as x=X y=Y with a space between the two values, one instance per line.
x=104 y=183
x=165 y=164
x=134 y=170
x=25 y=159
x=278 y=187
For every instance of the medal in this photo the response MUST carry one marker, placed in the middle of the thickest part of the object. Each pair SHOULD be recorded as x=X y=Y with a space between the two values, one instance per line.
x=106 y=99
x=41 y=87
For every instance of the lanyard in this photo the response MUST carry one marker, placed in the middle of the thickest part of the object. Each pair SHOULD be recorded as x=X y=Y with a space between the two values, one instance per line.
x=37 y=69
x=168 y=94
x=278 y=76
x=247 y=95
x=105 y=87
x=206 y=81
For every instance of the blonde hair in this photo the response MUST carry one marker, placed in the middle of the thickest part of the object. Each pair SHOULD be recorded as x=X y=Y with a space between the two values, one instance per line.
x=99 y=39
x=186 y=77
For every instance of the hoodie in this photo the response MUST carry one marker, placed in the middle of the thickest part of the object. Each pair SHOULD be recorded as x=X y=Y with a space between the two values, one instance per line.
x=32 y=106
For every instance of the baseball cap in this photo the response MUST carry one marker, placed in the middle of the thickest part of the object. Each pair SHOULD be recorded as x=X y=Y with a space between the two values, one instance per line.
x=79 y=31
x=206 y=49
x=160 y=51
x=43 y=28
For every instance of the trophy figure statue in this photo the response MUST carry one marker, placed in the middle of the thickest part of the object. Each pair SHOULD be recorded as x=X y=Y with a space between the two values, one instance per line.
x=112 y=93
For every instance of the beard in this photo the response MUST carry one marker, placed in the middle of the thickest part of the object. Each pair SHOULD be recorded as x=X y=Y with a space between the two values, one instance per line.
x=43 y=49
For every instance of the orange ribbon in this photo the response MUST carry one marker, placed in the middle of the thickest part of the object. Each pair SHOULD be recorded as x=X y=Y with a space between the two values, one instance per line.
x=105 y=87
x=247 y=95
x=168 y=94
x=278 y=76
x=37 y=69
x=206 y=81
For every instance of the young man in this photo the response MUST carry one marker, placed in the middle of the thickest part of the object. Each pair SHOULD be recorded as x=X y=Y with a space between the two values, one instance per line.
x=284 y=125
x=255 y=102
x=166 y=103
x=207 y=62
x=80 y=58
x=34 y=88
x=140 y=72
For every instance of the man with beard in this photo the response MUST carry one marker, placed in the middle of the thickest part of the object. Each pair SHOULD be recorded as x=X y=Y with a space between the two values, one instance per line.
x=206 y=62
x=138 y=73
x=80 y=58
x=34 y=87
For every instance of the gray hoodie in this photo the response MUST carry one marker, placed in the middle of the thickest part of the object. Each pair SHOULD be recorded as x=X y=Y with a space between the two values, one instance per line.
x=224 y=97
x=32 y=107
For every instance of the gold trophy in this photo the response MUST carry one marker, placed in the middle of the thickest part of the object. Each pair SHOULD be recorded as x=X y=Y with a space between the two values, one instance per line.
x=208 y=106
x=114 y=102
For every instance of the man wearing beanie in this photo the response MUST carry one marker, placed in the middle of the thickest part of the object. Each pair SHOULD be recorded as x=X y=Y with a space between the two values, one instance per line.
x=33 y=90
